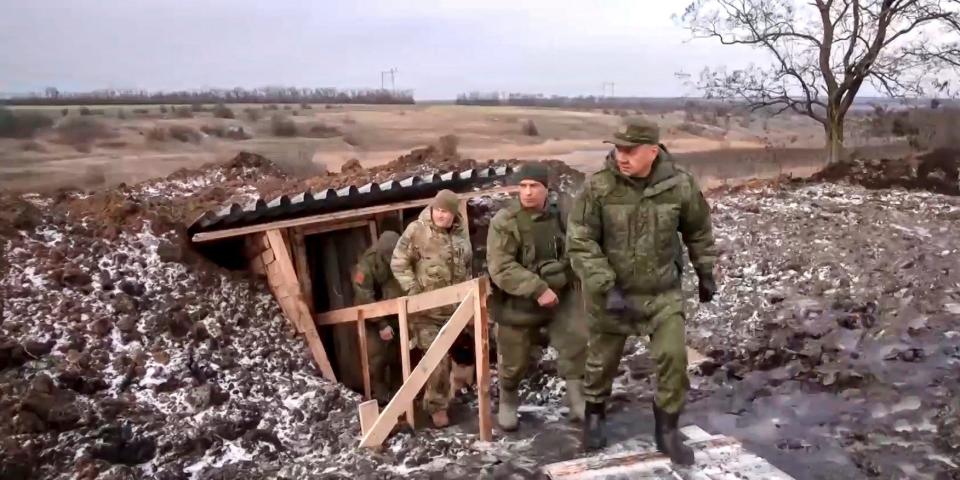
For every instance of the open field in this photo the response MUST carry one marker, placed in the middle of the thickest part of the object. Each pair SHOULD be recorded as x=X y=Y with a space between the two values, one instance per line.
x=126 y=149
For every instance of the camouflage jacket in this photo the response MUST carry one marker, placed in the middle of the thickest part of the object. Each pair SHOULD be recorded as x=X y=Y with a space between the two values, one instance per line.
x=519 y=245
x=623 y=230
x=373 y=280
x=428 y=258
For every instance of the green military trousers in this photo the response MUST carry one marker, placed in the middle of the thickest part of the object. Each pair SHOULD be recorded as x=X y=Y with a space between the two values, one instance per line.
x=384 y=360
x=660 y=317
x=568 y=335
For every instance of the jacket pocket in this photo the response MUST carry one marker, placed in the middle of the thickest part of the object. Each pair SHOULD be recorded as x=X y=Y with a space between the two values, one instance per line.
x=619 y=235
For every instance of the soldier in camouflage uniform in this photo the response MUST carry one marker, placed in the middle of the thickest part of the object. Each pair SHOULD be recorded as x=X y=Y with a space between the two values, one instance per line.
x=534 y=289
x=434 y=252
x=622 y=241
x=373 y=281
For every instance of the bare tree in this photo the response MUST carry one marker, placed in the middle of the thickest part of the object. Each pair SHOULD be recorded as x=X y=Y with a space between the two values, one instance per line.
x=822 y=52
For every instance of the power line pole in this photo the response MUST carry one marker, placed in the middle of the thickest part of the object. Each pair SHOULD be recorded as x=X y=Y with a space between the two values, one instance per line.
x=612 y=86
x=393 y=80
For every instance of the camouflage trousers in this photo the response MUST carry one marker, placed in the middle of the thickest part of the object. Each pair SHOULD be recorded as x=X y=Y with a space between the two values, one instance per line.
x=667 y=347
x=436 y=392
x=384 y=359
x=567 y=332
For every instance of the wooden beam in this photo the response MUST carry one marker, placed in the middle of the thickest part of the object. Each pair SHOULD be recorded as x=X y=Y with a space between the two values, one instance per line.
x=373 y=231
x=368 y=415
x=293 y=306
x=302 y=266
x=346 y=215
x=437 y=351
x=481 y=344
x=416 y=303
x=462 y=208
x=405 y=351
x=327 y=228
x=364 y=355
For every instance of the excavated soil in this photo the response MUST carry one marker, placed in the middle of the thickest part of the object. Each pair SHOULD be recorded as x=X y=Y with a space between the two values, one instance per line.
x=832 y=347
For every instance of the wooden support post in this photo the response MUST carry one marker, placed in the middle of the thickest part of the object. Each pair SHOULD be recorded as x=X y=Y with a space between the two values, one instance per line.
x=303 y=268
x=364 y=354
x=373 y=231
x=463 y=215
x=405 y=351
x=281 y=274
x=481 y=344
x=418 y=378
x=368 y=415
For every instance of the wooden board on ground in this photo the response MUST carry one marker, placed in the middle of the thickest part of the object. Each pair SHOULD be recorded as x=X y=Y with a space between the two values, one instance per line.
x=717 y=458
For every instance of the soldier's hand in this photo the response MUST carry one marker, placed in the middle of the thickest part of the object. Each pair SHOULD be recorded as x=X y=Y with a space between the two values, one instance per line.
x=548 y=299
x=386 y=334
x=707 y=287
x=616 y=302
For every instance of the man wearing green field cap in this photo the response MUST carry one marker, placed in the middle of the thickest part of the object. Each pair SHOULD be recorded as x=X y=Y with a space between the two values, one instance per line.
x=622 y=241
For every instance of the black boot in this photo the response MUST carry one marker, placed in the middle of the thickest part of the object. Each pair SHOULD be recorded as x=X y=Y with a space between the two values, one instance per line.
x=668 y=437
x=594 y=436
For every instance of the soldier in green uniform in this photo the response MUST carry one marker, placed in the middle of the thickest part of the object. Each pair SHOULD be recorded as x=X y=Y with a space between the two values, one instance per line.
x=622 y=242
x=533 y=289
x=433 y=252
x=373 y=281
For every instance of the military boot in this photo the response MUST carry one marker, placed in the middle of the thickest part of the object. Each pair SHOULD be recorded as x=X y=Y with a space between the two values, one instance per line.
x=507 y=416
x=594 y=435
x=668 y=437
x=575 y=399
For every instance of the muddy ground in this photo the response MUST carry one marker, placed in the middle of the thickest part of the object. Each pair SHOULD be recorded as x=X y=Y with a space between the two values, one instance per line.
x=833 y=345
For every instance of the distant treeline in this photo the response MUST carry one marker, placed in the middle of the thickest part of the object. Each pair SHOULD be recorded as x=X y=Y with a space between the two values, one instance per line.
x=53 y=96
x=540 y=100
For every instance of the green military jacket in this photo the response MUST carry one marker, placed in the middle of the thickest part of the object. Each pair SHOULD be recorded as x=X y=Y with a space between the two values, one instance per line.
x=373 y=280
x=427 y=258
x=525 y=257
x=623 y=231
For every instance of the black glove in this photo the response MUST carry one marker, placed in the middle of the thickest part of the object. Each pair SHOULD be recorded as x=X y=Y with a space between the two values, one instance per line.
x=708 y=286
x=616 y=302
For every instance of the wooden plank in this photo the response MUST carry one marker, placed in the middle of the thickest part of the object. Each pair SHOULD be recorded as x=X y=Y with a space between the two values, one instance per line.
x=298 y=313
x=373 y=231
x=462 y=208
x=364 y=358
x=405 y=351
x=437 y=351
x=416 y=303
x=717 y=457
x=481 y=345
x=327 y=228
x=368 y=412
x=302 y=266
x=336 y=216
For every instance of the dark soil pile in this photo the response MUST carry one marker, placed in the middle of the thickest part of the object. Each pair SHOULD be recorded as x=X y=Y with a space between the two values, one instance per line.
x=936 y=171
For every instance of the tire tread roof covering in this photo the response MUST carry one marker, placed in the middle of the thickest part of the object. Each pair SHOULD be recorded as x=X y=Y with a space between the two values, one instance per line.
x=346 y=198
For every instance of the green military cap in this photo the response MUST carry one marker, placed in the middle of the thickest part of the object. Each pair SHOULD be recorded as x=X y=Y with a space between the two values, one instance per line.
x=446 y=200
x=535 y=171
x=636 y=131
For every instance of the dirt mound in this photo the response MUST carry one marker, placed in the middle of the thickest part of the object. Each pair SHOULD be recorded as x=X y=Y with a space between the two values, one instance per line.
x=937 y=171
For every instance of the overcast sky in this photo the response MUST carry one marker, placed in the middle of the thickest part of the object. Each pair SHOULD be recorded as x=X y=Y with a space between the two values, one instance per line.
x=440 y=48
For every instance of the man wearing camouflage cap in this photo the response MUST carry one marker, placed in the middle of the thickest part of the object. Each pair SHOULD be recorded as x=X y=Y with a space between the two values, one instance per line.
x=434 y=252
x=533 y=289
x=622 y=241
x=373 y=281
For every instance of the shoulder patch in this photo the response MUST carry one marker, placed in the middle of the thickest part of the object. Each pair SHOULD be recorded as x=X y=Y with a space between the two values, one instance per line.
x=358 y=277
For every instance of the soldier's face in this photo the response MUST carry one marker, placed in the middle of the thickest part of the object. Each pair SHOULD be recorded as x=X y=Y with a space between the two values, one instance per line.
x=442 y=217
x=636 y=161
x=533 y=194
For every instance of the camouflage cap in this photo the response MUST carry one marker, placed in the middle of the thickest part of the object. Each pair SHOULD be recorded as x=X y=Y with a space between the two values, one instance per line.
x=446 y=200
x=387 y=242
x=637 y=131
